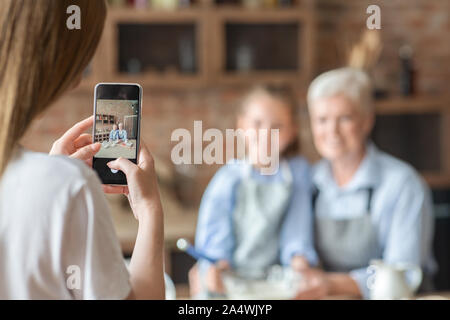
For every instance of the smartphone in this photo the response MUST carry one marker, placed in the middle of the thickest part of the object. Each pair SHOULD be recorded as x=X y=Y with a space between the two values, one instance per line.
x=117 y=118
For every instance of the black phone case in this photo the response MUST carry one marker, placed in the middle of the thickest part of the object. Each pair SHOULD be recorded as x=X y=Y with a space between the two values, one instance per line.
x=100 y=164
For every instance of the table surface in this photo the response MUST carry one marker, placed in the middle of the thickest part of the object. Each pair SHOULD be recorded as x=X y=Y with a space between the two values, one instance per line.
x=118 y=150
x=183 y=294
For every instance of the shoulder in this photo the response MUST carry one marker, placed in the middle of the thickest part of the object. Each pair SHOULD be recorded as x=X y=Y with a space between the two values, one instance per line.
x=299 y=165
x=221 y=190
x=53 y=173
x=399 y=180
x=320 y=172
x=394 y=171
x=402 y=187
x=229 y=174
x=301 y=173
x=57 y=187
x=301 y=170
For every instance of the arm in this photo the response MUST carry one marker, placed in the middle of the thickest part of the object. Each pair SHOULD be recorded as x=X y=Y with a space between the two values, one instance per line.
x=410 y=233
x=214 y=235
x=296 y=237
x=146 y=267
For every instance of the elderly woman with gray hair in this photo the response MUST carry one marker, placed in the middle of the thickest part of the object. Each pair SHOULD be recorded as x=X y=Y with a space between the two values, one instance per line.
x=367 y=205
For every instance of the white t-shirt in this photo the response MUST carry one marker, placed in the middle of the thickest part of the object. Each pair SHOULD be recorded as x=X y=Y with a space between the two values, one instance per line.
x=57 y=239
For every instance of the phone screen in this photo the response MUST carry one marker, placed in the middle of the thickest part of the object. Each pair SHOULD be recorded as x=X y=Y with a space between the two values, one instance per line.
x=117 y=112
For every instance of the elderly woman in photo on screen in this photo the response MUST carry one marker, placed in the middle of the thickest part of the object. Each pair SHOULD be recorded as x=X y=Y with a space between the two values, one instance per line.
x=367 y=205
x=122 y=133
x=123 y=136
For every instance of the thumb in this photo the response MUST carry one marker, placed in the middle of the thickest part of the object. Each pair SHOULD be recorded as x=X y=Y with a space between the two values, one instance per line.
x=122 y=164
x=86 y=152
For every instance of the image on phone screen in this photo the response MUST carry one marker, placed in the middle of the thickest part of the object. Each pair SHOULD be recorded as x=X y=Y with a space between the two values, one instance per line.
x=116 y=127
x=116 y=124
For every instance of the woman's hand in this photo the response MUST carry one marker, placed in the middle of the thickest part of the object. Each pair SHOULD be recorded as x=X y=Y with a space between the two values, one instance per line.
x=142 y=189
x=77 y=144
x=299 y=263
x=315 y=285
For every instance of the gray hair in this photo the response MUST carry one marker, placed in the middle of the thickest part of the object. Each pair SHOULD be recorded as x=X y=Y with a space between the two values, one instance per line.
x=353 y=83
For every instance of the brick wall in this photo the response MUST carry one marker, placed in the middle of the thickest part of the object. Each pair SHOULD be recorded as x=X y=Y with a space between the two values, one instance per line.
x=423 y=24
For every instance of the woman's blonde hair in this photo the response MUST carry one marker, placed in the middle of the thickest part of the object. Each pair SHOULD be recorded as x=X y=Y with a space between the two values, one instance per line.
x=40 y=58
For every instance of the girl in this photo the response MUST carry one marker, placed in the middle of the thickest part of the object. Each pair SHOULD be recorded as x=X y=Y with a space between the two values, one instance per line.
x=57 y=239
x=249 y=221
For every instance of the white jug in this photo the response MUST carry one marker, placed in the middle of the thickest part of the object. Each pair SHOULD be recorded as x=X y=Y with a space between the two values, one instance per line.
x=389 y=281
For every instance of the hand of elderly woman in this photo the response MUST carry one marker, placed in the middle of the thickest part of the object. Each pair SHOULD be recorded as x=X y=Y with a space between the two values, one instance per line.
x=315 y=285
x=299 y=263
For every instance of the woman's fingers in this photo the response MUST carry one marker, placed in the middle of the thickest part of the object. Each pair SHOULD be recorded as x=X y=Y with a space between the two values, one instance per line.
x=145 y=158
x=82 y=141
x=78 y=129
x=86 y=152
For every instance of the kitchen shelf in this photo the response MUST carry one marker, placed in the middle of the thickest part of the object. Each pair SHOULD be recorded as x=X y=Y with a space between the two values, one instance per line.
x=260 y=32
x=105 y=118
x=241 y=5
x=99 y=137
x=167 y=32
x=437 y=180
x=204 y=23
x=413 y=104
x=176 y=48
x=154 y=15
x=417 y=129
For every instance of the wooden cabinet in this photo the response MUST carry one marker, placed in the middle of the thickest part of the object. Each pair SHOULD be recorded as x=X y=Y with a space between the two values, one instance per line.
x=206 y=44
x=417 y=130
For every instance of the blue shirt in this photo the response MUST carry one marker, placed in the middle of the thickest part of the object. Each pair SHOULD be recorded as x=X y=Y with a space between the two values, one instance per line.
x=113 y=134
x=214 y=235
x=122 y=135
x=401 y=208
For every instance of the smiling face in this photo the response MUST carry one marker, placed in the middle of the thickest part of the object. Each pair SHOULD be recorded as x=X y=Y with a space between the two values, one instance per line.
x=265 y=112
x=120 y=126
x=340 y=128
x=114 y=127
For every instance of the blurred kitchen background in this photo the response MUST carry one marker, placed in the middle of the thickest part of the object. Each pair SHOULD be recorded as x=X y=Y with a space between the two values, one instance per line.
x=195 y=59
